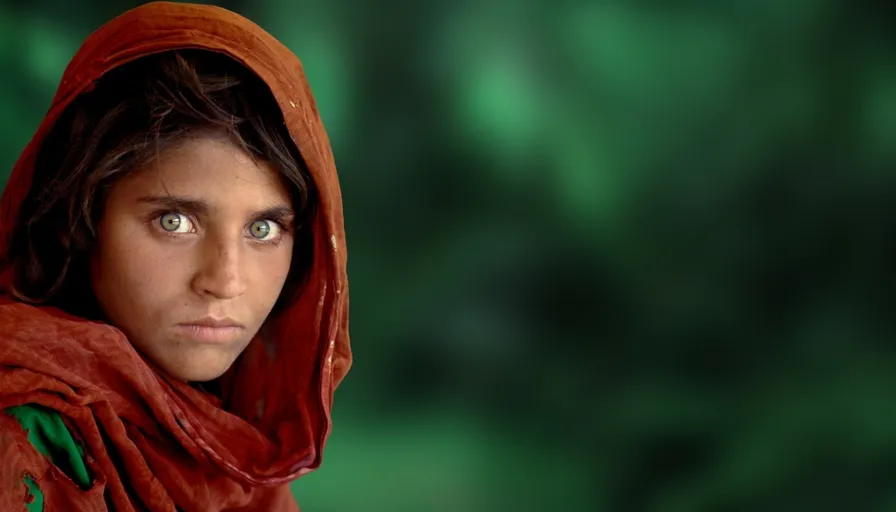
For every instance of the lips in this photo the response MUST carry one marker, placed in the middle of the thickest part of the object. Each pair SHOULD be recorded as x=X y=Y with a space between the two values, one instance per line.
x=211 y=330
x=214 y=322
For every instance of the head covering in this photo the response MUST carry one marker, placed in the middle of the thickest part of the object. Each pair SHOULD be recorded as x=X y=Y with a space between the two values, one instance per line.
x=152 y=442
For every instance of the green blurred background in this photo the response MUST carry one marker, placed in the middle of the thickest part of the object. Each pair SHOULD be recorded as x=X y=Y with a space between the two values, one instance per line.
x=604 y=256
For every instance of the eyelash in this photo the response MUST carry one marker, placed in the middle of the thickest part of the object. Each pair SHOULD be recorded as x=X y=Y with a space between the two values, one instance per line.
x=156 y=216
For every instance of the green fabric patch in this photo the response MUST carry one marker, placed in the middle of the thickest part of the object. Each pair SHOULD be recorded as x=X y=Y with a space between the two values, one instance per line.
x=52 y=439
x=37 y=503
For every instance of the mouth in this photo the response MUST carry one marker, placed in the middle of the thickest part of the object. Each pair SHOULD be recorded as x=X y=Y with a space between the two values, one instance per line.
x=211 y=330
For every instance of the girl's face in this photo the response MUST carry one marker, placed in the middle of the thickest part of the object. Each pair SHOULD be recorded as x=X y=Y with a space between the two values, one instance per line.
x=192 y=254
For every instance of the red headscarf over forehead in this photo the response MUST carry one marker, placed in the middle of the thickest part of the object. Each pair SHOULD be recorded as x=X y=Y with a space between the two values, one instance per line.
x=155 y=443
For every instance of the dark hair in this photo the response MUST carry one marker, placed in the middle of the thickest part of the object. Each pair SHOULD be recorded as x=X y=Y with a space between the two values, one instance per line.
x=135 y=112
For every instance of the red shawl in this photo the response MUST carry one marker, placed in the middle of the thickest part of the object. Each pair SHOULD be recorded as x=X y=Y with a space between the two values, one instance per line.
x=154 y=443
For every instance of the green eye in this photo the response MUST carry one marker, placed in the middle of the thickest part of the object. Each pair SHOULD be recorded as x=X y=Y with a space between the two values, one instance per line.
x=260 y=229
x=170 y=222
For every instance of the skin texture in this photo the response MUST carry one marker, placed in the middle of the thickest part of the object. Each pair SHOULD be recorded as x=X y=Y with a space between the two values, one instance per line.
x=161 y=263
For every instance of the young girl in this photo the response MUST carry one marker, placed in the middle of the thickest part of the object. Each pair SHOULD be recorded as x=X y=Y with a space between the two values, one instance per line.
x=173 y=296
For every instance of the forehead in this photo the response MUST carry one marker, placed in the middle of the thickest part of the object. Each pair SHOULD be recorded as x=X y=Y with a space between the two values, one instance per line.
x=209 y=167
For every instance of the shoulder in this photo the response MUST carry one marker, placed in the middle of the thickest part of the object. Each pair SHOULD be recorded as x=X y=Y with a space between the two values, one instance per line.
x=18 y=317
x=21 y=322
x=49 y=332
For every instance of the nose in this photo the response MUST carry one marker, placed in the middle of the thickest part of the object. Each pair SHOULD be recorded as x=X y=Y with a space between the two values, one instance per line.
x=219 y=275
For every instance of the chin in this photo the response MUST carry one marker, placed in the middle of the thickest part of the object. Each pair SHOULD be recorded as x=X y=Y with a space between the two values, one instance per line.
x=203 y=375
x=200 y=378
x=195 y=363
x=200 y=372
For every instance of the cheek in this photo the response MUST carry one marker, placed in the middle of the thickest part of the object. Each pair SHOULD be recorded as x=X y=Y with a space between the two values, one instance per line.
x=270 y=270
x=128 y=269
x=265 y=270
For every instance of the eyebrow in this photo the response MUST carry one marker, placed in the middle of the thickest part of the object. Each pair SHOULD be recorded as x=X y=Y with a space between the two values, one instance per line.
x=199 y=207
